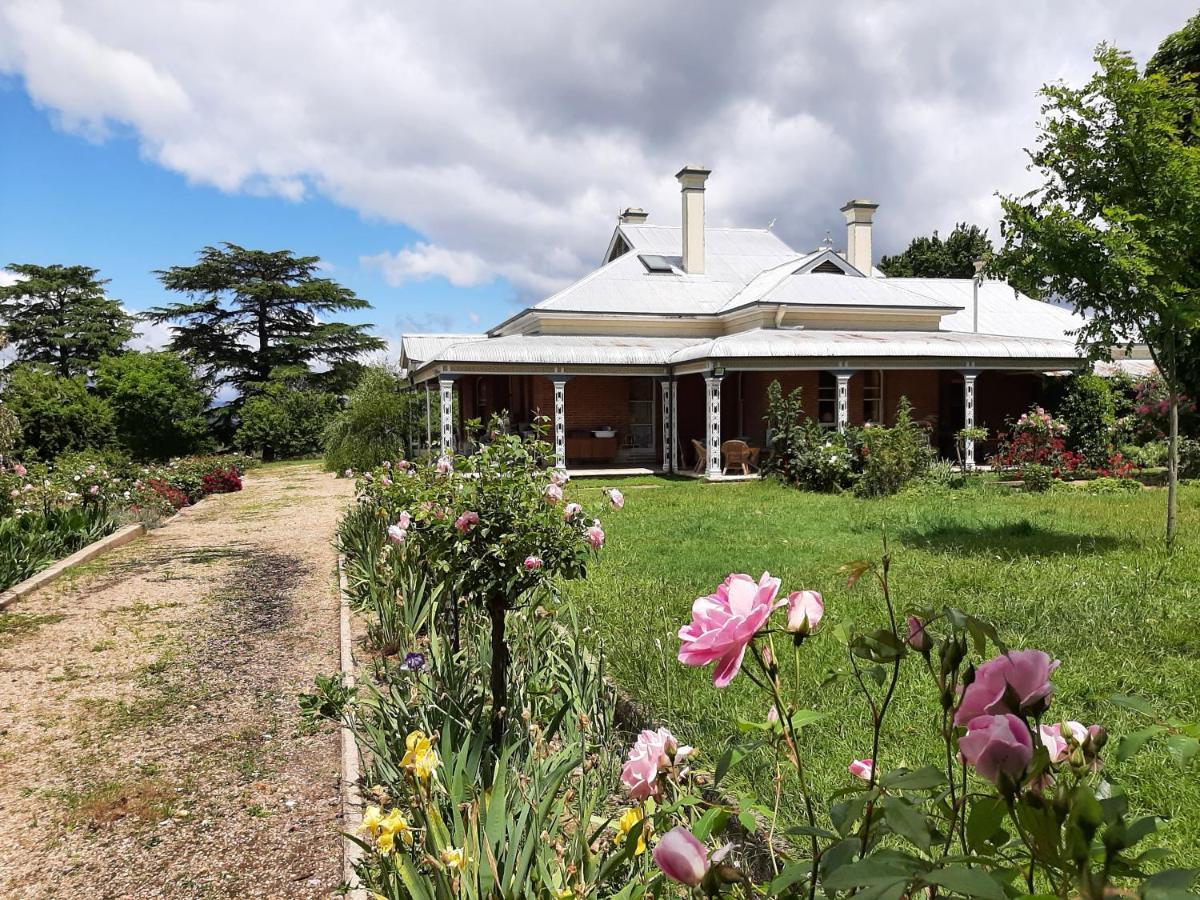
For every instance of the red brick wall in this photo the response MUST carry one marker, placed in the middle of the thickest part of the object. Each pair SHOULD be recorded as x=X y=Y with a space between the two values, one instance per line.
x=598 y=401
x=921 y=389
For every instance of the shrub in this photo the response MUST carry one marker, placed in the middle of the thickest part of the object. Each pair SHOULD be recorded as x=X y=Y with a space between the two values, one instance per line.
x=285 y=421
x=1146 y=456
x=1037 y=439
x=1037 y=477
x=1086 y=408
x=221 y=481
x=1189 y=458
x=158 y=405
x=803 y=454
x=891 y=457
x=1150 y=405
x=370 y=428
x=56 y=414
x=1106 y=485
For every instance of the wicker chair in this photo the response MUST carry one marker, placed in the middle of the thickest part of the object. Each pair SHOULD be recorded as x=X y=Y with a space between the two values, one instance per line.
x=736 y=454
x=701 y=457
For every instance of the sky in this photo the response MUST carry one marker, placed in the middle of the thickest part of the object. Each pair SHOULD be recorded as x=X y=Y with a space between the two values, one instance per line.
x=450 y=162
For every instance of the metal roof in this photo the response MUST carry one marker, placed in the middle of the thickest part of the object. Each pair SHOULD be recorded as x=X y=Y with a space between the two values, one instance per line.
x=418 y=349
x=554 y=349
x=1002 y=310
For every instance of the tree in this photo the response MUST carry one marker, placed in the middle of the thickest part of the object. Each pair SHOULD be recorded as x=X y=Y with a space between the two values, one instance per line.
x=60 y=315
x=57 y=414
x=1114 y=228
x=158 y=404
x=254 y=315
x=932 y=257
x=287 y=419
x=371 y=428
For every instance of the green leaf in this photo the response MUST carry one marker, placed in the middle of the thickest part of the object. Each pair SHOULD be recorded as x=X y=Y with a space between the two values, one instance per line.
x=1173 y=884
x=907 y=821
x=869 y=871
x=984 y=821
x=968 y=882
x=1131 y=744
x=1182 y=749
x=730 y=758
x=916 y=780
x=1133 y=702
x=793 y=873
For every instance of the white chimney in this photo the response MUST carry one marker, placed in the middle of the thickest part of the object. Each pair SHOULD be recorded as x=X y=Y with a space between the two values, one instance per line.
x=859 y=214
x=691 y=180
x=634 y=215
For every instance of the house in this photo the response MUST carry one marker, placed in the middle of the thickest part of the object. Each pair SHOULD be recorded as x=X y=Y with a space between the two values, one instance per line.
x=667 y=349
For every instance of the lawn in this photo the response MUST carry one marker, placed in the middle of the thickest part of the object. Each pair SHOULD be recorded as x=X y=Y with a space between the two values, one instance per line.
x=1085 y=578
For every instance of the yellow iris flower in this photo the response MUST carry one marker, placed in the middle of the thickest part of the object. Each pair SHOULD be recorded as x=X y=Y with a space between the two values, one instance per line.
x=371 y=819
x=420 y=758
x=454 y=858
x=630 y=819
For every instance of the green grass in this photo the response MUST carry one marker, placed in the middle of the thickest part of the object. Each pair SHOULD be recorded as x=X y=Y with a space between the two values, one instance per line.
x=1085 y=578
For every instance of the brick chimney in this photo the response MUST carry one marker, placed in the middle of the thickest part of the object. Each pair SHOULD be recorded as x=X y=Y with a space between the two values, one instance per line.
x=691 y=181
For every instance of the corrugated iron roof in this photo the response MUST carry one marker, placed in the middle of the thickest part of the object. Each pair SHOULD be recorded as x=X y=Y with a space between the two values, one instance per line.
x=418 y=349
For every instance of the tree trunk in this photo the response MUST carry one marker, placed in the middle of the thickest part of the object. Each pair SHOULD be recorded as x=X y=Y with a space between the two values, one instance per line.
x=497 y=610
x=1172 y=461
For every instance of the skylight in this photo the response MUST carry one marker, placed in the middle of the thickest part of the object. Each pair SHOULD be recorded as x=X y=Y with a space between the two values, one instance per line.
x=655 y=263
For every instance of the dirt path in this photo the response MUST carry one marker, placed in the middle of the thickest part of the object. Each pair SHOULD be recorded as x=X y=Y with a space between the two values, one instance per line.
x=150 y=744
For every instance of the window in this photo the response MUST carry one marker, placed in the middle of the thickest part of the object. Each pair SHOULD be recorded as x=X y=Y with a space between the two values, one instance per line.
x=873 y=396
x=655 y=263
x=829 y=267
x=827 y=400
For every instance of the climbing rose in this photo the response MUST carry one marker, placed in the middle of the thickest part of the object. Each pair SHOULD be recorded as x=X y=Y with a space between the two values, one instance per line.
x=396 y=534
x=917 y=638
x=805 y=610
x=533 y=563
x=553 y=493
x=1020 y=675
x=997 y=745
x=681 y=857
x=595 y=536
x=862 y=768
x=653 y=750
x=616 y=498
x=464 y=522
x=725 y=622
x=571 y=510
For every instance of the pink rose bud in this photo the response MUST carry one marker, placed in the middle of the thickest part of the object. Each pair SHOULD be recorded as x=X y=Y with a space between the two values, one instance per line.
x=595 y=536
x=773 y=715
x=862 y=768
x=616 y=498
x=681 y=857
x=805 y=610
x=917 y=638
x=533 y=563
x=768 y=657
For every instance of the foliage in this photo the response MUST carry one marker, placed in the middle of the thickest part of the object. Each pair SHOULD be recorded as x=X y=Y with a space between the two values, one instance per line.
x=1189 y=458
x=57 y=414
x=10 y=430
x=370 y=428
x=33 y=540
x=802 y=453
x=932 y=257
x=1148 y=456
x=1086 y=407
x=221 y=481
x=1107 y=485
x=285 y=420
x=273 y=299
x=891 y=457
x=1113 y=230
x=1152 y=407
x=158 y=406
x=1037 y=477
x=1037 y=439
x=974 y=433
x=60 y=316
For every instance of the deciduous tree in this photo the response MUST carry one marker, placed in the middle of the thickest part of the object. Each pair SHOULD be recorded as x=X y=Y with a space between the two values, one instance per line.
x=932 y=257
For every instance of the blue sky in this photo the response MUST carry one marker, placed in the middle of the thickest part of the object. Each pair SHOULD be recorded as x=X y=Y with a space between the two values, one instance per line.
x=477 y=153
x=67 y=199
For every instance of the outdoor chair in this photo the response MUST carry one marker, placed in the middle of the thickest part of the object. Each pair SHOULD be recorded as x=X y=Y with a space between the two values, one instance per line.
x=736 y=454
x=701 y=457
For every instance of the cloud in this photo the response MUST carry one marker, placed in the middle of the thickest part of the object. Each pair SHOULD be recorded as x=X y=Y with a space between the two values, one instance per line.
x=510 y=134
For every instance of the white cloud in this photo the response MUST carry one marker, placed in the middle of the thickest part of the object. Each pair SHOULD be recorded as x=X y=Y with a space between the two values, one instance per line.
x=509 y=134
x=149 y=335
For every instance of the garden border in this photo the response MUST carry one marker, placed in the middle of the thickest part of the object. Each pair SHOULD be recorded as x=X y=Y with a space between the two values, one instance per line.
x=52 y=572
x=350 y=794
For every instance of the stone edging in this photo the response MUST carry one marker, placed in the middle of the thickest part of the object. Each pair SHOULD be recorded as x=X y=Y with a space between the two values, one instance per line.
x=352 y=804
x=53 y=571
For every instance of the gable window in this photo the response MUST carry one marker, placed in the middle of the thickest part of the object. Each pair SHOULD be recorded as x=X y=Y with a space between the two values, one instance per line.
x=827 y=400
x=872 y=396
x=829 y=267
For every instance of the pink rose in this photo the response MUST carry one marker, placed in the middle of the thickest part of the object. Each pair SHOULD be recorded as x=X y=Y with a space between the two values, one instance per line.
x=804 y=613
x=651 y=752
x=571 y=510
x=396 y=534
x=724 y=623
x=1020 y=675
x=559 y=477
x=94 y=490
x=1052 y=738
x=444 y=465
x=14 y=493
x=862 y=768
x=681 y=857
x=553 y=493
x=917 y=638
x=403 y=465
x=595 y=536
x=387 y=463
x=20 y=470
x=533 y=563
x=616 y=498
x=404 y=520
x=997 y=745
x=464 y=522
